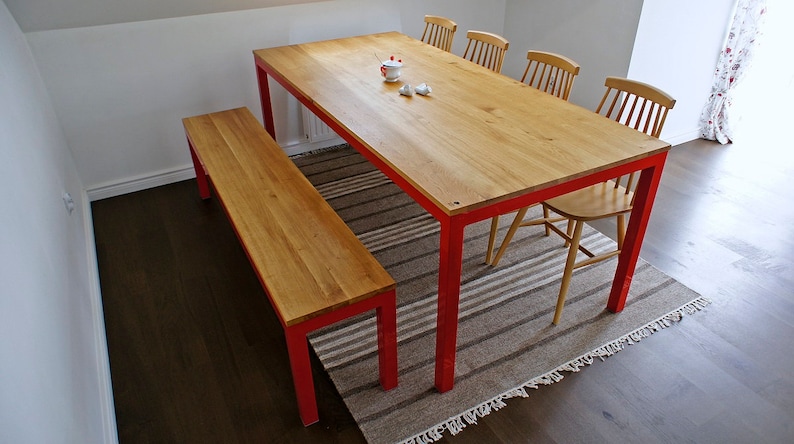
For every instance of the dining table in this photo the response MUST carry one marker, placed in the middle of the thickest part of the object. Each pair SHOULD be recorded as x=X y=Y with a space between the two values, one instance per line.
x=480 y=144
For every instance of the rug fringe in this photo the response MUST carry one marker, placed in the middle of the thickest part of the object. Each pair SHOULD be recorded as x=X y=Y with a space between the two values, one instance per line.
x=457 y=423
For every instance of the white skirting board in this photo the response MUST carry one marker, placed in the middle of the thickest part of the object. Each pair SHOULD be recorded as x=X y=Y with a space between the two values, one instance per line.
x=138 y=183
x=105 y=389
x=185 y=172
x=678 y=139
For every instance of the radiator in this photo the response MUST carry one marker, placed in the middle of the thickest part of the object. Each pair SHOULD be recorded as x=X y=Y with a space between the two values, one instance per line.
x=314 y=129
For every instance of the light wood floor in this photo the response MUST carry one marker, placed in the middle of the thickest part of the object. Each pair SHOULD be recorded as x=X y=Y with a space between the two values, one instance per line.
x=197 y=356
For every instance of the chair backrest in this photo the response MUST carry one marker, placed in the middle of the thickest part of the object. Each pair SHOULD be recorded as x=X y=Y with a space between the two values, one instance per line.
x=439 y=32
x=550 y=73
x=648 y=117
x=486 y=49
x=653 y=103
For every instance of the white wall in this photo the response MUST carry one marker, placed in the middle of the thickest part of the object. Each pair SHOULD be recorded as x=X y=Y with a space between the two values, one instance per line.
x=54 y=385
x=122 y=90
x=468 y=14
x=597 y=34
x=676 y=49
x=40 y=15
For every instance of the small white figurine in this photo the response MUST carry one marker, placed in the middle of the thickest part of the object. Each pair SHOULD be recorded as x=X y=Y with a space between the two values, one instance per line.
x=423 y=89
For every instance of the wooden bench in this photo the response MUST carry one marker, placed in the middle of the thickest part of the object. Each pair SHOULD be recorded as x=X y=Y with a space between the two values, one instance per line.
x=314 y=270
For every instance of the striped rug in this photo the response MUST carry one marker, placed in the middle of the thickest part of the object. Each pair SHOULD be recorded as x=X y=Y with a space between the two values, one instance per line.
x=506 y=342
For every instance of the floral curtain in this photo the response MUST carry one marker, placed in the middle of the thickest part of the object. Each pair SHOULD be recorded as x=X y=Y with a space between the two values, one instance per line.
x=715 y=121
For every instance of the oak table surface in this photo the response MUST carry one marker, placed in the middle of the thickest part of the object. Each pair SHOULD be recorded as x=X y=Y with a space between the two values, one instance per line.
x=479 y=137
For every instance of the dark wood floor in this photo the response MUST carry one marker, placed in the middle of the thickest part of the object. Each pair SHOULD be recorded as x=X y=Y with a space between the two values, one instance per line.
x=197 y=354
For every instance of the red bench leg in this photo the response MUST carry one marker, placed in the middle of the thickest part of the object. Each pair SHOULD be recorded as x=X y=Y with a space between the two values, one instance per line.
x=298 y=349
x=201 y=175
x=385 y=306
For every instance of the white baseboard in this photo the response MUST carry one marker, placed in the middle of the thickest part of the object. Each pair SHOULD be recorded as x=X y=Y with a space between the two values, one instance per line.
x=165 y=177
x=138 y=183
x=105 y=385
x=683 y=137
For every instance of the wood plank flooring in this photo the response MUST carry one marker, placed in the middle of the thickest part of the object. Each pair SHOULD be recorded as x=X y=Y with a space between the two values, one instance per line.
x=197 y=355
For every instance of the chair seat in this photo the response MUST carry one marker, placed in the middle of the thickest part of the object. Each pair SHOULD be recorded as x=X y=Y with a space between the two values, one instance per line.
x=594 y=202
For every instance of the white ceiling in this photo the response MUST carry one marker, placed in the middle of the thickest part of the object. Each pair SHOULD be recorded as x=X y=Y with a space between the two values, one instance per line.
x=42 y=15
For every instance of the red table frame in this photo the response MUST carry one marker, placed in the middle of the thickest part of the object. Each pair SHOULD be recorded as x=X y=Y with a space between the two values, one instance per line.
x=452 y=226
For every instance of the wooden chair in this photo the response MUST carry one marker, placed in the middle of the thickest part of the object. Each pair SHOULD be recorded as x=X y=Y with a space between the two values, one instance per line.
x=486 y=49
x=550 y=73
x=553 y=74
x=439 y=32
x=634 y=104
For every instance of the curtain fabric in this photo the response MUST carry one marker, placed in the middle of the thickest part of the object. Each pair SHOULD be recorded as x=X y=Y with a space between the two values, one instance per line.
x=715 y=120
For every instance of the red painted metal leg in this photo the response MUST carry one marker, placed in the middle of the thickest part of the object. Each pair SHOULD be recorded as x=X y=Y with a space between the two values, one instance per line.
x=201 y=174
x=385 y=305
x=298 y=349
x=387 y=341
x=450 y=263
x=264 y=97
x=638 y=223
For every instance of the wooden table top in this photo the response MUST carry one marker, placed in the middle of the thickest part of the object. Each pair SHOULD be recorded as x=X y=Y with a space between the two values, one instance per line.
x=477 y=139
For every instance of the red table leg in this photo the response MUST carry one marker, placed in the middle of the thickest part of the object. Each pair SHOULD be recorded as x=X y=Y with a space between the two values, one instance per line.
x=450 y=263
x=638 y=223
x=387 y=340
x=264 y=97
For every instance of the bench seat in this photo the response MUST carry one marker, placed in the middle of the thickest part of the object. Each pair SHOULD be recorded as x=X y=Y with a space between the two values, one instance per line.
x=313 y=268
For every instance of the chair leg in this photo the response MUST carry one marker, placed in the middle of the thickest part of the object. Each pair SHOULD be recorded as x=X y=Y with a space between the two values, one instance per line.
x=621 y=230
x=570 y=224
x=569 y=264
x=546 y=215
x=509 y=236
x=492 y=239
